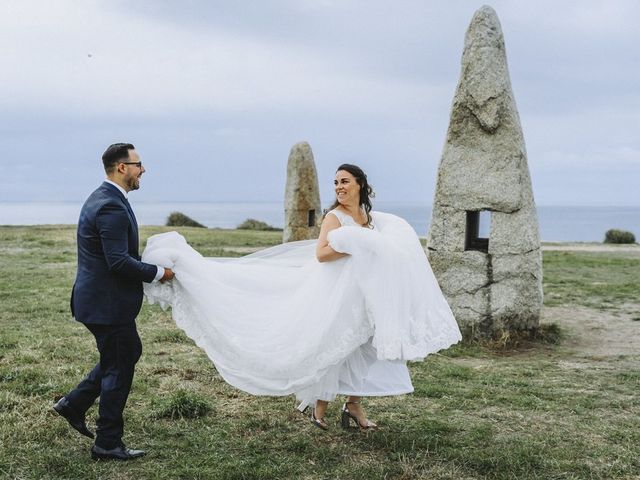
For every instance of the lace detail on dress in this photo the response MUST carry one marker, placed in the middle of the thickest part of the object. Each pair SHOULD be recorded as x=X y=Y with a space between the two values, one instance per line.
x=270 y=328
x=261 y=374
x=281 y=322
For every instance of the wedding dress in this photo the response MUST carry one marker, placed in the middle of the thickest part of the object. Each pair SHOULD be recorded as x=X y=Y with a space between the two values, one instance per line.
x=279 y=322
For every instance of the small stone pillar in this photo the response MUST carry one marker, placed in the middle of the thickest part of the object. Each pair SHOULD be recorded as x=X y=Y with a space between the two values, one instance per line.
x=302 y=196
x=483 y=242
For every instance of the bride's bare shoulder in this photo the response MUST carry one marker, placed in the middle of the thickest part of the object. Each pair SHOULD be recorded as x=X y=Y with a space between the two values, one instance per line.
x=331 y=218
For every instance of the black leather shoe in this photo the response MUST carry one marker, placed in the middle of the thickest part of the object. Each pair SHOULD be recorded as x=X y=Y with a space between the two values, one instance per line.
x=118 y=453
x=77 y=421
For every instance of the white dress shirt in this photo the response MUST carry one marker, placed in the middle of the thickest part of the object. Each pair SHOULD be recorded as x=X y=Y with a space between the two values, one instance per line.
x=160 y=271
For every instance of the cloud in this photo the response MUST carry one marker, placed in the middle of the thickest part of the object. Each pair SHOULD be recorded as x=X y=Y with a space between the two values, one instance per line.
x=95 y=60
x=619 y=157
x=225 y=88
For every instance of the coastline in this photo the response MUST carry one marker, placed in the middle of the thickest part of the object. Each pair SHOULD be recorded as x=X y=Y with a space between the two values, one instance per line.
x=556 y=223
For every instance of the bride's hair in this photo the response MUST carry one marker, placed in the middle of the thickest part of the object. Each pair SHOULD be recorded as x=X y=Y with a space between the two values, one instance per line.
x=366 y=191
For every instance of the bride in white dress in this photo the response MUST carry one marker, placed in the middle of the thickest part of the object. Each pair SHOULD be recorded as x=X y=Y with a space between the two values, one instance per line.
x=340 y=315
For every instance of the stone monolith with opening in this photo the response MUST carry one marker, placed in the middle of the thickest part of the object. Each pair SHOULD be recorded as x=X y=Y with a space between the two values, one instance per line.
x=302 y=196
x=492 y=280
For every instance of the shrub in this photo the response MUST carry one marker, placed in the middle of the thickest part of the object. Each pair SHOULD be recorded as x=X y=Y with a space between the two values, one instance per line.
x=177 y=219
x=619 y=236
x=183 y=404
x=253 y=224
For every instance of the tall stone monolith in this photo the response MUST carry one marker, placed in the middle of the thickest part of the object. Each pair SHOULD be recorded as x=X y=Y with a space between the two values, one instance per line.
x=302 y=196
x=492 y=280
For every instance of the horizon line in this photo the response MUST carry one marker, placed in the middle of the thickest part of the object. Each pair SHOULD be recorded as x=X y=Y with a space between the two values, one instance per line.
x=430 y=205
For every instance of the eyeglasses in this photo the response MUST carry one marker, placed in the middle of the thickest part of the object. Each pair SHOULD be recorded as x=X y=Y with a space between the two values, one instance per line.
x=137 y=164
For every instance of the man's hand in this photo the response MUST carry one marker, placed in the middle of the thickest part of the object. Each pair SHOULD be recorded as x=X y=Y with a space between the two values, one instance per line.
x=168 y=275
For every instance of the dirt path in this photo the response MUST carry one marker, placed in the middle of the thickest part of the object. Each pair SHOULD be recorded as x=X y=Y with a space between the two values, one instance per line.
x=597 y=334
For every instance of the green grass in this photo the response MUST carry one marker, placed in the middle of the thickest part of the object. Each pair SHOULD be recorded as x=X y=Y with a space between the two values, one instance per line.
x=183 y=404
x=597 y=280
x=476 y=412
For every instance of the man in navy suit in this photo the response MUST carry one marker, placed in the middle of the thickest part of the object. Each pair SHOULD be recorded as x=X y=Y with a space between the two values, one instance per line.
x=106 y=298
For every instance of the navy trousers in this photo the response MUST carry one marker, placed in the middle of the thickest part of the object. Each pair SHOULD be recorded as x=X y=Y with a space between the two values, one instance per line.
x=120 y=348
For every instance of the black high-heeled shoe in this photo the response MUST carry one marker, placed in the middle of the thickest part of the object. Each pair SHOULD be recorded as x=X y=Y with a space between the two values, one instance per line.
x=347 y=416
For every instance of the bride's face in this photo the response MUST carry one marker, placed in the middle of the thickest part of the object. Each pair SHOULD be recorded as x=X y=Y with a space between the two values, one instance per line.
x=347 y=188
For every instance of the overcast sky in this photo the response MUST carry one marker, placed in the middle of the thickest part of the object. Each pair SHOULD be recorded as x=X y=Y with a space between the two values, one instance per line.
x=214 y=94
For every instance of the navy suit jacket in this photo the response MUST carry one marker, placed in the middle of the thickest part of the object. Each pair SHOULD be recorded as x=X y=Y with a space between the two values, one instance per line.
x=108 y=286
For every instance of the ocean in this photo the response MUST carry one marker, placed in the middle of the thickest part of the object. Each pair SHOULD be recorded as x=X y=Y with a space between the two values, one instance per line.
x=557 y=223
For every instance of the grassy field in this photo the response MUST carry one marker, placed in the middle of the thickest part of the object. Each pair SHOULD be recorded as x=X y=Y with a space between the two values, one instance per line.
x=540 y=411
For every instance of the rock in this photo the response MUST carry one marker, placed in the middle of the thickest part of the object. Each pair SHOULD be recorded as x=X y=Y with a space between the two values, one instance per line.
x=515 y=232
x=516 y=290
x=463 y=272
x=484 y=167
x=447 y=229
x=302 y=196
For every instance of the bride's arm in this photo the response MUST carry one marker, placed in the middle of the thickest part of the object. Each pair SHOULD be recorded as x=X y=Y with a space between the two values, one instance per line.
x=324 y=252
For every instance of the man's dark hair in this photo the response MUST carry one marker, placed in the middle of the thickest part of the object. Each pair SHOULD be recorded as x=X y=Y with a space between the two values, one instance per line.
x=115 y=153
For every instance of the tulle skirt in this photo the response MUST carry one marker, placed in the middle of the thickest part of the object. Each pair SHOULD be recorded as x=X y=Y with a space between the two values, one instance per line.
x=278 y=322
x=360 y=374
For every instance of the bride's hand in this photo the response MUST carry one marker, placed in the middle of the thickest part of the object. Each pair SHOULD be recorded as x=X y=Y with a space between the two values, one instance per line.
x=168 y=275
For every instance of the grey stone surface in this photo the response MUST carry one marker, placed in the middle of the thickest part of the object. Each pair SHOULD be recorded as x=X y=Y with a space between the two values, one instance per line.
x=484 y=167
x=515 y=232
x=515 y=305
x=522 y=265
x=447 y=228
x=302 y=195
x=462 y=272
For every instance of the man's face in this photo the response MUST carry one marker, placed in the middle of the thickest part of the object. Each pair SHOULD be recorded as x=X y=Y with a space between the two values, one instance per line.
x=133 y=171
